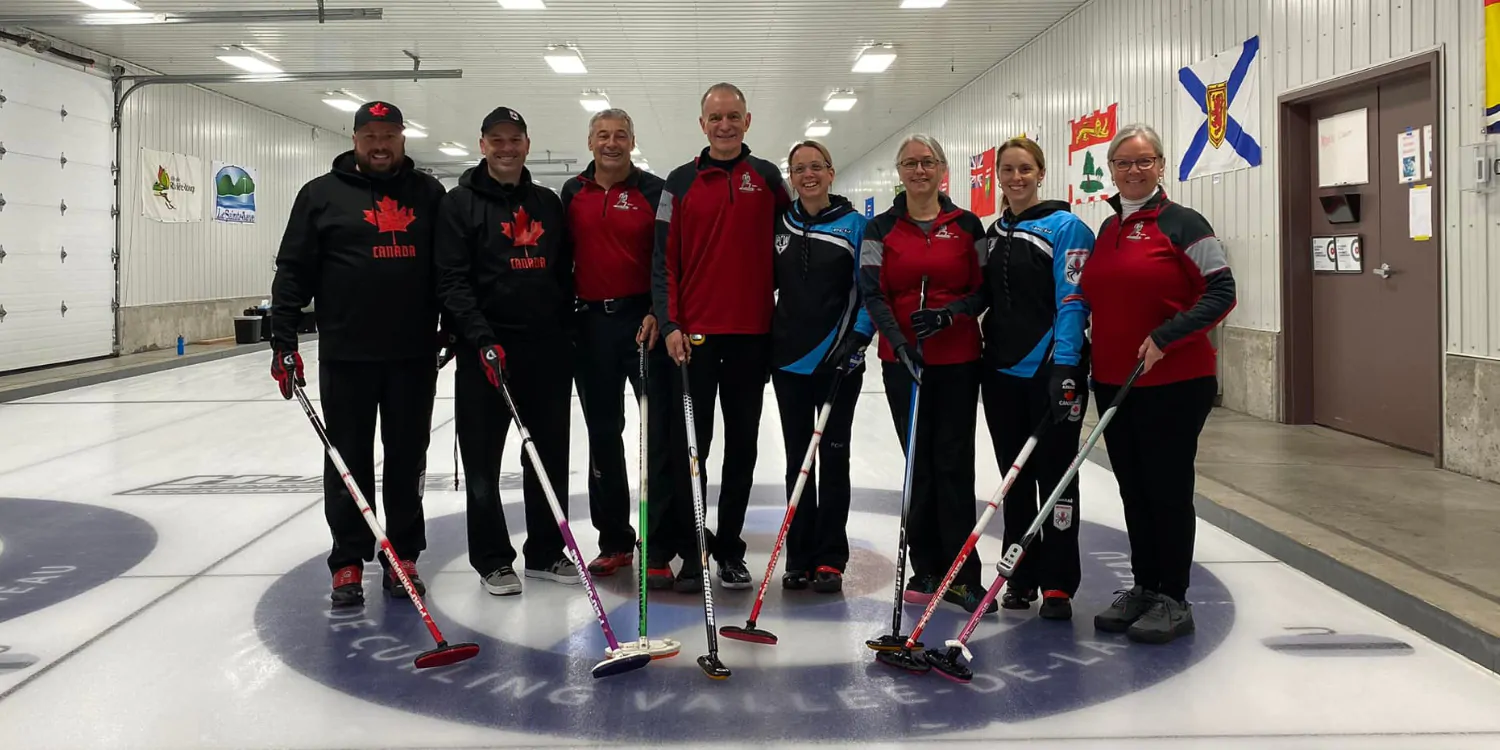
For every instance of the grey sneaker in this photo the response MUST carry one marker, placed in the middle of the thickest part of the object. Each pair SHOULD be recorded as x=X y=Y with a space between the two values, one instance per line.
x=503 y=582
x=1163 y=622
x=1128 y=607
x=562 y=571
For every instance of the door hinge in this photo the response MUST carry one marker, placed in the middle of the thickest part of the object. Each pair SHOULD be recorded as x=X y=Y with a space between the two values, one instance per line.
x=114 y=212
x=65 y=308
x=65 y=255
x=114 y=305
x=114 y=255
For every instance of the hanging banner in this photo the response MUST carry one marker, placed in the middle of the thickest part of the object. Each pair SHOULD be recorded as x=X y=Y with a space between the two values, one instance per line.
x=1218 y=112
x=1492 y=66
x=982 y=183
x=234 y=193
x=870 y=207
x=169 y=186
x=1088 y=150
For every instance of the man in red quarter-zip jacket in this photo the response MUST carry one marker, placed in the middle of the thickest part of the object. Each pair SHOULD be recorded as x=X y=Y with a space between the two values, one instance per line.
x=611 y=211
x=713 y=288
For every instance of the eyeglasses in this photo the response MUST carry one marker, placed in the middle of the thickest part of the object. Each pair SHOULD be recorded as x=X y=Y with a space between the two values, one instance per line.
x=1124 y=165
x=927 y=164
x=815 y=168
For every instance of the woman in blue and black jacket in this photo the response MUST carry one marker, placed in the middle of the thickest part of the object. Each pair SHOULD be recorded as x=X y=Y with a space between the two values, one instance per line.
x=1036 y=368
x=819 y=327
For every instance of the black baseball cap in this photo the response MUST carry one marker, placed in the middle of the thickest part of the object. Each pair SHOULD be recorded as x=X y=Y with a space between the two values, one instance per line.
x=502 y=114
x=377 y=112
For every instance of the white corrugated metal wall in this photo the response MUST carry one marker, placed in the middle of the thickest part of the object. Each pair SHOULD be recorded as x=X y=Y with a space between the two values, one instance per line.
x=208 y=260
x=1129 y=51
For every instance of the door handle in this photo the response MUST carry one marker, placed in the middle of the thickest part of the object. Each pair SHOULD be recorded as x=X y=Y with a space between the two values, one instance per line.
x=1384 y=271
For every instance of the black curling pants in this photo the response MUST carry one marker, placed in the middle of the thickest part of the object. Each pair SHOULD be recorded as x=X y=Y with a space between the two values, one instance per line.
x=352 y=394
x=818 y=535
x=734 y=368
x=1153 y=445
x=1013 y=407
x=540 y=382
x=606 y=357
x=942 y=509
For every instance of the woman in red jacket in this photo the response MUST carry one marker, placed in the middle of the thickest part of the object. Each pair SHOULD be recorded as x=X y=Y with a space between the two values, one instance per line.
x=1157 y=282
x=925 y=236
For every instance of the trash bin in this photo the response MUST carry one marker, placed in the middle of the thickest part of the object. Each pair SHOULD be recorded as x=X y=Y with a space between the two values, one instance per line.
x=246 y=329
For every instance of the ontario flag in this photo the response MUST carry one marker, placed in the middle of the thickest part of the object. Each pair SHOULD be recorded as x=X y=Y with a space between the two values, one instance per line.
x=982 y=183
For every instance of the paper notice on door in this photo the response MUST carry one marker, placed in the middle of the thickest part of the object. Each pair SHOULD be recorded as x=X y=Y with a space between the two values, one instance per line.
x=1325 y=258
x=1427 y=151
x=1409 y=155
x=1419 y=212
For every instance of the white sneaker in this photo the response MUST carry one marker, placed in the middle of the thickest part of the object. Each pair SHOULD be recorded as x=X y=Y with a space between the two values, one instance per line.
x=563 y=571
x=503 y=582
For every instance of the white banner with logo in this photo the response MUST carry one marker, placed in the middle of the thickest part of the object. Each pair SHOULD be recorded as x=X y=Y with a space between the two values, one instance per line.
x=234 y=193
x=171 y=186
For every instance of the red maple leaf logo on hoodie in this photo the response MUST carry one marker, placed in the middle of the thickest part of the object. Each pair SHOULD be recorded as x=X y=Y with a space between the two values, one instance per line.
x=523 y=233
x=389 y=216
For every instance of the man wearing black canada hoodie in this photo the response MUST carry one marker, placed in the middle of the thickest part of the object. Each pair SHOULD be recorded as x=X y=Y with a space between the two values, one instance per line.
x=505 y=276
x=359 y=243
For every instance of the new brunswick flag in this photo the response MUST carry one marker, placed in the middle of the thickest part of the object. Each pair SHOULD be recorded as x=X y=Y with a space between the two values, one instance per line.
x=1492 y=66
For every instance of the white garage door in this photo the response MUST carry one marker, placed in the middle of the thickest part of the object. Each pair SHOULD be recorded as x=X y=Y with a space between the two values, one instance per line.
x=57 y=272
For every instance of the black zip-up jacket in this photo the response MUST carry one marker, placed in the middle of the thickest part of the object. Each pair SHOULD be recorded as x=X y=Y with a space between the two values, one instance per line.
x=504 y=259
x=818 y=304
x=361 y=248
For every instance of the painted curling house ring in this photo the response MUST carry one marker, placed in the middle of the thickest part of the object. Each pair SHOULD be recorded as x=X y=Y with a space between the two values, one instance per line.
x=1033 y=669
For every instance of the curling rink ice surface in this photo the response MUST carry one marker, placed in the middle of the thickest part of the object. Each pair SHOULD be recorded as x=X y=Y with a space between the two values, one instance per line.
x=162 y=585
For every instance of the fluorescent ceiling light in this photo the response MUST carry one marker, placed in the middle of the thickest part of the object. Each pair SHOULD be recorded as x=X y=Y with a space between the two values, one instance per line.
x=923 y=3
x=411 y=132
x=840 y=101
x=342 y=104
x=818 y=129
x=523 y=5
x=110 y=4
x=453 y=149
x=594 y=101
x=875 y=59
x=249 y=63
x=565 y=60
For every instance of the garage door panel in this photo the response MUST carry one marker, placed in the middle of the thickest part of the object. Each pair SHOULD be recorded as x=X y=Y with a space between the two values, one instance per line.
x=57 y=277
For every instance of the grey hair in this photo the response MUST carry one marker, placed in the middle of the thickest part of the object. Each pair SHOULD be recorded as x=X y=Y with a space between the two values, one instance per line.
x=925 y=140
x=1136 y=130
x=613 y=114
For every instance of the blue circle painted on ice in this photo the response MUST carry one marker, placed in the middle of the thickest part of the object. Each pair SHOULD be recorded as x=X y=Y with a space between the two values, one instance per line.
x=55 y=551
x=1034 y=669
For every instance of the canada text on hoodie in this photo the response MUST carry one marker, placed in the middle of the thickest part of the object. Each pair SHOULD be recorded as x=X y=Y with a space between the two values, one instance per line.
x=895 y=256
x=1036 y=261
x=818 y=304
x=613 y=232
x=1159 y=272
x=360 y=247
x=504 y=259
x=713 y=259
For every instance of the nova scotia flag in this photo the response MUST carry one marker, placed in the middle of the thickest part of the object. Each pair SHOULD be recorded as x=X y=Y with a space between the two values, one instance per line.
x=1218 y=114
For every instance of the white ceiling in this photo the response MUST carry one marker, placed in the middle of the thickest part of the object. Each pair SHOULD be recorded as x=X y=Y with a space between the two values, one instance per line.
x=654 y=58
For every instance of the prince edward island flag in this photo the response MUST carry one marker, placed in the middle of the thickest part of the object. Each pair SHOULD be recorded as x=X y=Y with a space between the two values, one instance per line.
x=1218 y=121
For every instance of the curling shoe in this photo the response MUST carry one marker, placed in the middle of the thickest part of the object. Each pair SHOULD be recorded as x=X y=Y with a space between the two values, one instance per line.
x=1167 y=619
x=734 y=575
x=795 y=580
x=1128 y=607
x=1017 y=598
x=968 y=597
x=920 y=589
x=606 y=565
x=561 y=571
x=392 y=584
x=659 y=577
x=1056 y=605
x=348 y=588
x=689 y=579
x=828 y=580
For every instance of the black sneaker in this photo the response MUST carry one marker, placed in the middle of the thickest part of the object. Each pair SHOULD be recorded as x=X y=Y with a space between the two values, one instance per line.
x=1163 y=622
x=968 y=597
x=734 y=575
x=1056 y=605
x=795 y=580
x=1128 y=607
x=348 y=588
x=1017 y=598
